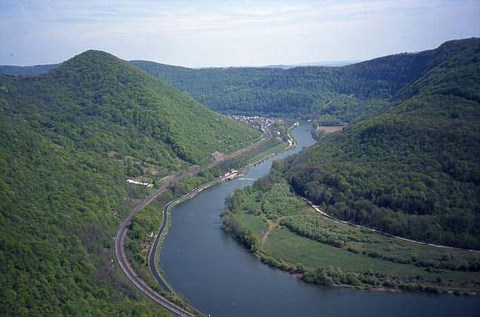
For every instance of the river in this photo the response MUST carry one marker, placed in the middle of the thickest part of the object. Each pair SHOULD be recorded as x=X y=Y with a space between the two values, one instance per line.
x=221 y=278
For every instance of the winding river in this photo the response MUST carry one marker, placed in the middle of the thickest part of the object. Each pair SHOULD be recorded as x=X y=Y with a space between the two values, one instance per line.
x=221 y=278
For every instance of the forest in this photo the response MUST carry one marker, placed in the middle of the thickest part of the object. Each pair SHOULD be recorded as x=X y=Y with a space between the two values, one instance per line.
x=344 y=94
x=407 y=163
x=412 y=171
x=69 y=139
x=348 y=94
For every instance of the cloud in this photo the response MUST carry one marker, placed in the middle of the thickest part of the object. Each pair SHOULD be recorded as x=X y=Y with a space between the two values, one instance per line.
x=203 y=33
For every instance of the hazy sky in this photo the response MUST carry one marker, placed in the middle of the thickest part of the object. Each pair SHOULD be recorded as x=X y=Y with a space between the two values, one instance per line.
x=222 y=33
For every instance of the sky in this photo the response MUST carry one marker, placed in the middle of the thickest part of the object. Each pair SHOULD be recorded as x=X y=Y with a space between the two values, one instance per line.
x=230 y=33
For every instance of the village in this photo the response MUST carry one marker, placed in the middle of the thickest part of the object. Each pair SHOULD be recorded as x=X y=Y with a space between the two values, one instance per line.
x=263 y=121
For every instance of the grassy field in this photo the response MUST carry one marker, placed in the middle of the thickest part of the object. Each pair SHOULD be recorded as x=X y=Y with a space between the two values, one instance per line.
x=303 y=241
x=257 y=225
x=291 y=248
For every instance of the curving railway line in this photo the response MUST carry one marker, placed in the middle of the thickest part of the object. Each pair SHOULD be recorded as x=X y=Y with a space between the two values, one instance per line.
x=122 y=231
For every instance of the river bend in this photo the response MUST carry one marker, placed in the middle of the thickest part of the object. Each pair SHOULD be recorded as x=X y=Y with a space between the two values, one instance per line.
x=220 y=277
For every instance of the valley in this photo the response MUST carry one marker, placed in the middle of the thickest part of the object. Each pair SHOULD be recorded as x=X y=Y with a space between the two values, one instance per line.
x=227 y=279
x=70 y=139
x=97 y=145
x=392 y=165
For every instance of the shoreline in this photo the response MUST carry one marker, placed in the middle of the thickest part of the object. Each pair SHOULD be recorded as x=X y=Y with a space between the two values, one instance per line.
x=297 y=270
x=119 y=238
x=264 y=258
x=161 y=234
x=155 y=248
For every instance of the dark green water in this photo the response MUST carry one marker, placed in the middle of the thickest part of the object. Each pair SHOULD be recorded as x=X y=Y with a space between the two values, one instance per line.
x=219 y=277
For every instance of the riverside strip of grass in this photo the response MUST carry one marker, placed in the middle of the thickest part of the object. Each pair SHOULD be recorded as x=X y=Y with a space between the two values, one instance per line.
x=288 y=234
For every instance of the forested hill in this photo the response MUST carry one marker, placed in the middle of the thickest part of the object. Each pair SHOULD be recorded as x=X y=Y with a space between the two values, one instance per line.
x=414 y=170
x=349 y=93
x=340 y=93
x=105 y=103
x=68 y=141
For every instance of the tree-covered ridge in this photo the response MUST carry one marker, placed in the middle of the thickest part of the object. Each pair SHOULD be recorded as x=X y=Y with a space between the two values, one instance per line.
x=68 y=141
x=348 y=93
x=27 y=70
x=297 y=91
x=103 y=102
x=59 y=209
x=414 y=170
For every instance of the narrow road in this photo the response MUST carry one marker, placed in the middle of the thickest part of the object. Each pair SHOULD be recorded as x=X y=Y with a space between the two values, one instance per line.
x=122 y=231
x=128 y=270
x=324 y=214
x=152 y=256
x=153 y=253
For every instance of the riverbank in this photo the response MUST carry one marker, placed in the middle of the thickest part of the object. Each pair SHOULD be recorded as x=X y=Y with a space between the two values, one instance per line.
x=154 y=253
x=130 y=259
x=218 y=276
x=141 y=254
x=286 y=233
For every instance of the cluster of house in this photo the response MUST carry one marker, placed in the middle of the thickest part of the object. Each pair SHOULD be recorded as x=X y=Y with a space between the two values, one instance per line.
x=257 y=119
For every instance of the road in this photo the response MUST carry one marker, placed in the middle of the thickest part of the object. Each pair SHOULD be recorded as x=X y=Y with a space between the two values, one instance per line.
x=324 y=214
x=122 y=231
x=128 y=270
x=152 y=257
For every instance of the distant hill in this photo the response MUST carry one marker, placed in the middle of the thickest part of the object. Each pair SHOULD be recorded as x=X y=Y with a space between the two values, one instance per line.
x=413 y=170
x=343 y=94
x=69 y=139
x=349 y=93
x=27 y=70
x=329 y=63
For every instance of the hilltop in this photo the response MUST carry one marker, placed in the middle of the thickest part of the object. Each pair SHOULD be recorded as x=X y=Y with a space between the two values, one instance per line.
x=69 y=139
x=97 y=91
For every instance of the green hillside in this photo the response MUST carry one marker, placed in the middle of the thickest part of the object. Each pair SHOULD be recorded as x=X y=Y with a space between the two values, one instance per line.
x=348 y=93
x=303 y=91
x=329 y=94
x=68 y=141
x=103 y=102
x=414 y=170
